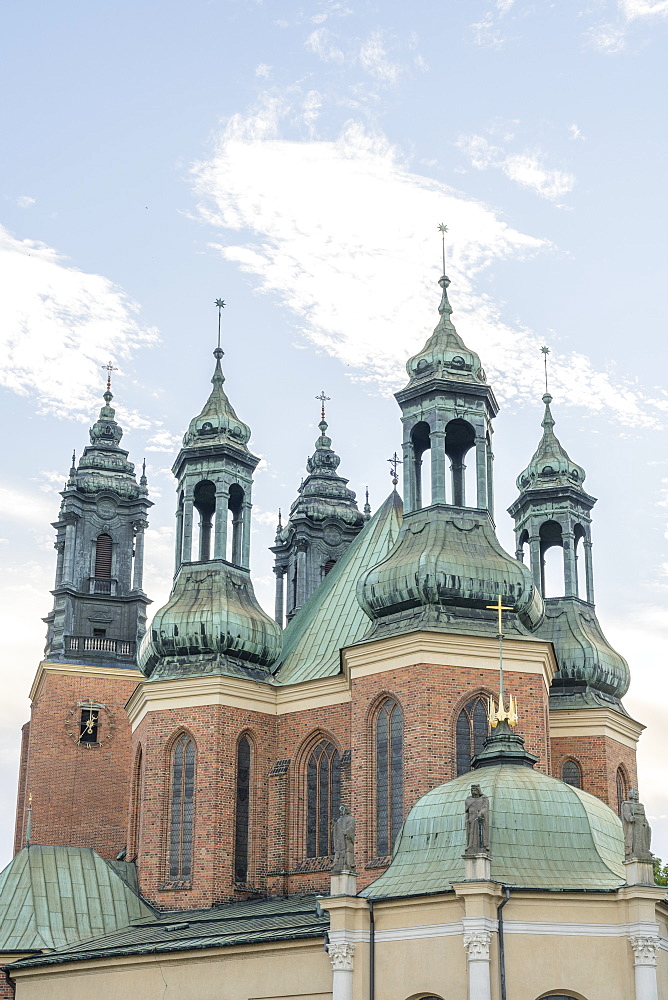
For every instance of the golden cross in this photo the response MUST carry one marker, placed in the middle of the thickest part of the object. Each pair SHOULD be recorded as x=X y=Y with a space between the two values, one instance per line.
x=500 y=608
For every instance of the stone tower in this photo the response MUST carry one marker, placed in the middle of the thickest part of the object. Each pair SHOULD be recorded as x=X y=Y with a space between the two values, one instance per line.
x=99 y=609
x=323 y=521
x=593 y=739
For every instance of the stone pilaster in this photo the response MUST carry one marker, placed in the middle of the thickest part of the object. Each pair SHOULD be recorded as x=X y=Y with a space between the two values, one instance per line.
x=645 y=947
x=341 y=956
x=477 y=943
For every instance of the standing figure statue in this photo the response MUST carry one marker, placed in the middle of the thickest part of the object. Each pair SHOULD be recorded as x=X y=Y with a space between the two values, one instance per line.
x=637 y=831
x=477 y=823
x=343 y=838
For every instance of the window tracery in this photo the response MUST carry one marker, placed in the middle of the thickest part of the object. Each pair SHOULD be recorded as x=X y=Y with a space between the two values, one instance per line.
x=389 y=775
x=472 y=731
x=323 y=795
x=181 y=809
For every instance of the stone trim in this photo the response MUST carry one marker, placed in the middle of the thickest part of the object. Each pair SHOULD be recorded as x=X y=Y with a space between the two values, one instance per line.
x=48 y=667
x=595 y=722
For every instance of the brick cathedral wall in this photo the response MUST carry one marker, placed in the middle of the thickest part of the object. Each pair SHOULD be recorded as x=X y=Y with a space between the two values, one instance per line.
x=599 y=758
x=22 y=795
x=80 y=794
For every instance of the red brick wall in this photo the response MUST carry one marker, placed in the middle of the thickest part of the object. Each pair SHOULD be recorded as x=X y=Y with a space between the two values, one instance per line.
x=599 y=758
x=80 y=794
x=6 y=988
x=21 y=793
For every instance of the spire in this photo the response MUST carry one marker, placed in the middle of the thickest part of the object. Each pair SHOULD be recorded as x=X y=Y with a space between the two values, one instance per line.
x=217 y=423
x=143 y=480
x=367 y=505
x=550 y=465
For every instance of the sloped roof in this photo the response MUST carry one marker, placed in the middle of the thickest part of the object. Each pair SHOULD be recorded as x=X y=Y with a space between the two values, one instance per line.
x=51 y=897
x=332 y=618
x=544 y=834
x=252 y=922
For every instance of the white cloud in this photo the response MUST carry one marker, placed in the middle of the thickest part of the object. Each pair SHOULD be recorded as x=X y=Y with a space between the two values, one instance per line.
x=319 y=42
x=611 y=37
x=345 y=236
x=526 y=169
x=376 y=61
x=28 y=508
x=163 y=440
x=25 y=201
x=58 y=325
x=263 y=71
x=575 y=132
x=633 y=9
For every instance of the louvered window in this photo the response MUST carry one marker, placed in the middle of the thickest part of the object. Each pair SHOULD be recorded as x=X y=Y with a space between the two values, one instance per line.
x=242 y=810
x=181 y=814
x=389 y=776
x=323 y=792
x=103 y=557
x=472 y=731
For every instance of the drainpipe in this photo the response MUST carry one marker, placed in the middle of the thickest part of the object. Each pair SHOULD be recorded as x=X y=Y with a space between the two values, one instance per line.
x=502 y=951
x=372 y=952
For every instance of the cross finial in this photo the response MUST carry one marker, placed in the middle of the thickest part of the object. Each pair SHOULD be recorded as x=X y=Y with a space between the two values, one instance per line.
x=221 y=305
x=394 y=462
x=545 y=351
x=443 y=230
x=501 y=714
x=500 y=608
x=109 y=368
x=323 y=399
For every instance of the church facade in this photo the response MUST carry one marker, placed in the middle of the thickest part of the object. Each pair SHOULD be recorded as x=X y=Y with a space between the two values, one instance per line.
x=223 y=743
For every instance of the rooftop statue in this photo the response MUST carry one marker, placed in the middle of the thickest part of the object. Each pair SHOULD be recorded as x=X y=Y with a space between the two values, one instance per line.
x=343 y=838
x=477 y=823
x=637 y=831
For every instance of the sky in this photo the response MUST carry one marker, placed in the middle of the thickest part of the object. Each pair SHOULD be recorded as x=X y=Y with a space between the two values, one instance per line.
x=295 y=159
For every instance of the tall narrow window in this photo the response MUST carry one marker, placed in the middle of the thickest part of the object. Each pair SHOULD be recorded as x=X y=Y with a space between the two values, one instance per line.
x=103 y=548
x=622 y=790
x=571 y=773
x=242 y=810
x=389 y=776
x=323 y=793
x=472 y=731
x=181 y=813
x=135 y=806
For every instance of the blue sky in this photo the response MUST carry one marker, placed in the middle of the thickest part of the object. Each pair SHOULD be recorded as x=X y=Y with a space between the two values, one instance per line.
x=296 y=159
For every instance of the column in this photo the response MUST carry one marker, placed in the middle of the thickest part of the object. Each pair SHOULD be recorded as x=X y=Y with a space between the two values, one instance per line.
x=589 y=569
x=302 y=545
x=437 y=439
x=205 y=537
x=278 y=607
x=535 y=560
x=245 y=533
x=481 y=470
x=570 y=569
x=341 y=957
x=179 y=539
x=220 y=537
x=68 y=555
x=59 y=546
x=409 y=478
x=138 y=574
x=645 y=947
x=186 y=552
x=477 y=949
x=490 y=479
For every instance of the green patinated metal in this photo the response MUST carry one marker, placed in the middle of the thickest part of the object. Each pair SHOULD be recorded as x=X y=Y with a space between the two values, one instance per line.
x=248 y=923
x=550 y=464
x=544 y=834
x=332 y=618
x=53 y=897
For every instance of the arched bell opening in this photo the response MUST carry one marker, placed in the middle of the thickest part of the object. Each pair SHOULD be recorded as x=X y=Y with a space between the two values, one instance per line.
x=204 y=501
x=235 y=517
x=522 y=541
x=579 y=563
x=421 y=464
x=459 y=439
x=551 y=559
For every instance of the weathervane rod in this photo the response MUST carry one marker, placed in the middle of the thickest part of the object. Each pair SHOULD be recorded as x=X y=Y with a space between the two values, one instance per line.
x=545 y=351
x=221 y=305
x=443 y=230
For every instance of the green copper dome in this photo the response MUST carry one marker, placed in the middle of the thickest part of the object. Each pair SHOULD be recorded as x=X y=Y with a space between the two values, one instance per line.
x=550 y=464
x=217 y=423
x=445 y=353
x=104 y=465
x=447 y=562
x=544 y=834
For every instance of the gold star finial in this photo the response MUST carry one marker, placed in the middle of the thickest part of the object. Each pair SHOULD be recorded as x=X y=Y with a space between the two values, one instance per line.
x=220 y=304
x=443 y=230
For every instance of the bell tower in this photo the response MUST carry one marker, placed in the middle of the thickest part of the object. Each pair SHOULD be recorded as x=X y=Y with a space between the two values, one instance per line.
x=99 y=608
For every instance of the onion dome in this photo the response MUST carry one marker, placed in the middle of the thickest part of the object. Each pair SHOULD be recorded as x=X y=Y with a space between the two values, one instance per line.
x=543 y=833
x=217 y=423
x=550 y=464
x=445 y=353
x=212 y=624
x=103 y=465
x=445 y=569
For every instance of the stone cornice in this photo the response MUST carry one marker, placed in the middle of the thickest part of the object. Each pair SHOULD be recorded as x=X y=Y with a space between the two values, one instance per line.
x=595 y=722
x=49 y=667
x=449 y=649
x=236 y=692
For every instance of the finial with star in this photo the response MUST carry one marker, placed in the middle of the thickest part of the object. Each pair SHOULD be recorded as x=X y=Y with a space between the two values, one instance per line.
x=220 y=305
x=545 y=351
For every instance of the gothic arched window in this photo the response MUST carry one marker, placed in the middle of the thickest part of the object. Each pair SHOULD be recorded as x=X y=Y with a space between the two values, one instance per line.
x=323 y=792
x=571 y=773
x=181 y=809
x=622 y=789
x=135 y=806
x=242 y=816
x=103 y=549
x=389 y=775
x=472 y=731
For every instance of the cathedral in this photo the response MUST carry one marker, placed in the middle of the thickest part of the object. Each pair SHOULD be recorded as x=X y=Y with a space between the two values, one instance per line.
x=416 y=780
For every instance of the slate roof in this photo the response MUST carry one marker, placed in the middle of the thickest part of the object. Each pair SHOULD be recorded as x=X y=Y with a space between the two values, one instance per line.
x=52 y=897
x=252 y=922
x=332 y=618
x=544 y=834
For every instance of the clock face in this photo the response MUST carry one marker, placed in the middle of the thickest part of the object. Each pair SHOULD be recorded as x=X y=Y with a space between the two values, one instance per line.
x=90 y=724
